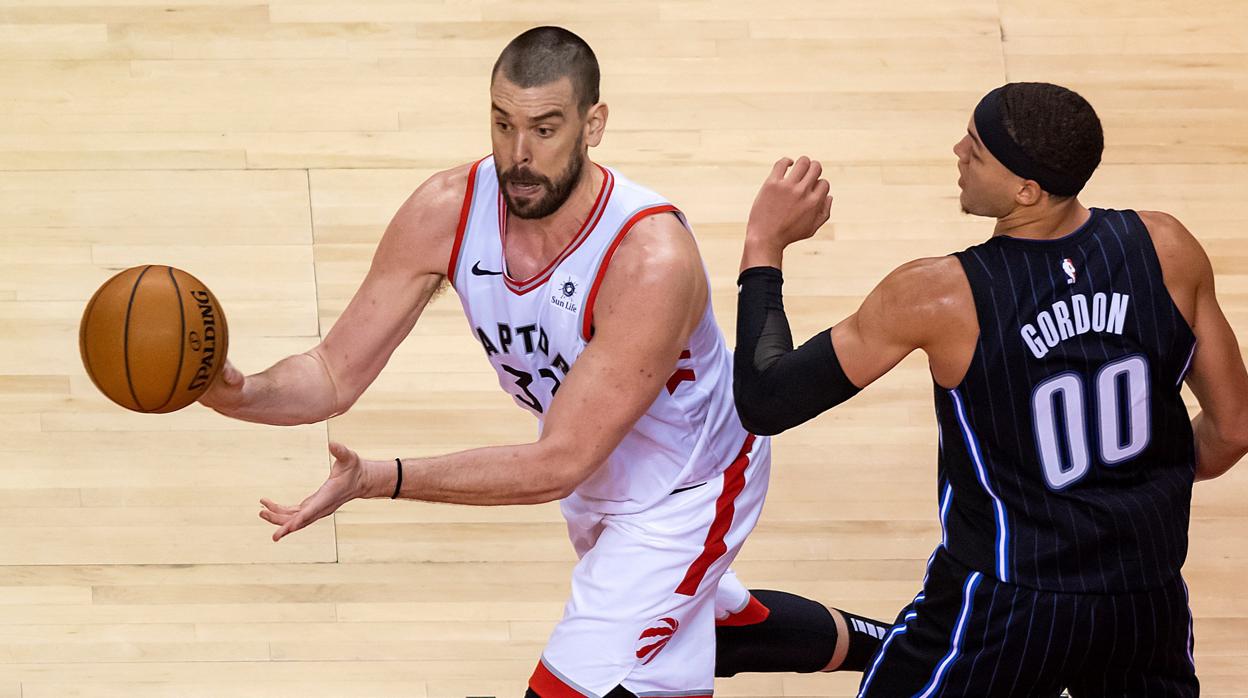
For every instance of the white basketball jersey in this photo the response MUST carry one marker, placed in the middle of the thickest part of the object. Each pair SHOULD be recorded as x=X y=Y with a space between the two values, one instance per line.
x=533 y=330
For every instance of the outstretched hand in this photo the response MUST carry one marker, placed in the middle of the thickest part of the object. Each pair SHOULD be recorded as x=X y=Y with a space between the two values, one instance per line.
x=346 y=482
x=791 y=205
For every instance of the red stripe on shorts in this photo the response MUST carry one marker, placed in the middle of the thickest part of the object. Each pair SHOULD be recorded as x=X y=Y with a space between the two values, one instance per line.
x=545 y=684
x=725 y=509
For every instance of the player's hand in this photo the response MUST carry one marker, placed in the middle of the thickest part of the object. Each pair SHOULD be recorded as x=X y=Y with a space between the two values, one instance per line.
x=346 y=482
x=226 y=390
x=791 y=205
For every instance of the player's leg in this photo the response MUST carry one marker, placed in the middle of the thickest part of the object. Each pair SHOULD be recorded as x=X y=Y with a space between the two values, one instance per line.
x=622 y=615
x=775 y=631
x=1143 y=647
x=642 y=610
x=724 y=596
x=968 y=635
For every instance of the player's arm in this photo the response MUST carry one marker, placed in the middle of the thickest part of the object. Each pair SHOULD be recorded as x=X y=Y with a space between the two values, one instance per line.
x=650 y=301
x=407 y=268
x=1217 y=376
x=778 y=387
x=643 y=316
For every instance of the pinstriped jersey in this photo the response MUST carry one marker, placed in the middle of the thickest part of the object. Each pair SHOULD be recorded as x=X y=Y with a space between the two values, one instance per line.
x=1067 y=456
x=533 y=330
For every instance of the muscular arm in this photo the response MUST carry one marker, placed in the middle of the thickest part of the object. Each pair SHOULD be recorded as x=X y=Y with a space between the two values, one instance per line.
x=1217 y=376
x=924 y=304
x=408 y=266
x=650 y=301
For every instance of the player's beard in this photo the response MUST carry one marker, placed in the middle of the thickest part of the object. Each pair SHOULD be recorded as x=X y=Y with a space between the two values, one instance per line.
x=553 y=194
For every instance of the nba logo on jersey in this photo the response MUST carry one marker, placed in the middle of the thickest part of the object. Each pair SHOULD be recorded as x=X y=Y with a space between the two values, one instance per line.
x=653 y=640
x=1068 y=266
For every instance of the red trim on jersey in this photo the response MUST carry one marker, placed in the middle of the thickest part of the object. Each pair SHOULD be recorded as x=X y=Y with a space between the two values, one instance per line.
x=725 y=509
x=753 y=614
x=680 y=376
x=547 y=685
x=464 y=210
x=587 y=324
x=595 y=214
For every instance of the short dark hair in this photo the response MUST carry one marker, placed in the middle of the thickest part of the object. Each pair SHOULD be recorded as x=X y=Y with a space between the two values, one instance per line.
x=1055 y=126
x=542 y=55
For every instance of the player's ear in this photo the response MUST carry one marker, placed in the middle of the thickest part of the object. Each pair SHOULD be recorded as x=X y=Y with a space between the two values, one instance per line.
x=1029 y=194
x=595 y=123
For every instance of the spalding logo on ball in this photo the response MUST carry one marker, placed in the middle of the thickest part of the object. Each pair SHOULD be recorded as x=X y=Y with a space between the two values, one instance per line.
x=153 y=338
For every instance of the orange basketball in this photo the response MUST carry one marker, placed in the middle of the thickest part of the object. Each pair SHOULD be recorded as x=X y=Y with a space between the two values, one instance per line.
x=153 y=338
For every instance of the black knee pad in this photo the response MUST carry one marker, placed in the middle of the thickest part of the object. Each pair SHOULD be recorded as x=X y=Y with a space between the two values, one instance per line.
x=799 y=635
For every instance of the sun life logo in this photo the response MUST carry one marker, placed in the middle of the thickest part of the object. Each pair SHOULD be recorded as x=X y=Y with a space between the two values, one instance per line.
x=565 y=296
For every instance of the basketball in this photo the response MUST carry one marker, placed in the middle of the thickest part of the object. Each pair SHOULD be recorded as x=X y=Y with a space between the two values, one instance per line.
x=153 y=338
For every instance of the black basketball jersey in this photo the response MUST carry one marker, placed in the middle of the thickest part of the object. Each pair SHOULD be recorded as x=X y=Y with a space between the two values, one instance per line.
x=1066 y=454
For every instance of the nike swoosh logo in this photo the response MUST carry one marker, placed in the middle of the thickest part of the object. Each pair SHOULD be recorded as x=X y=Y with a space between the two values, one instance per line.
x=478 y=271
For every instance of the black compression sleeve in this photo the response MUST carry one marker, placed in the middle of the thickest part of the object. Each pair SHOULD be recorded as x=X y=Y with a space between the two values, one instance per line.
x=776 y=386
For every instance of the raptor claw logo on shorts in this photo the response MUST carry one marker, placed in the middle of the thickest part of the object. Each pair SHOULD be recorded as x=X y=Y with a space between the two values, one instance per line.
x=653 y=640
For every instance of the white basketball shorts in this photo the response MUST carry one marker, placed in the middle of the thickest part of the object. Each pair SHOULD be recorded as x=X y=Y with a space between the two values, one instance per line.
x=650 y=585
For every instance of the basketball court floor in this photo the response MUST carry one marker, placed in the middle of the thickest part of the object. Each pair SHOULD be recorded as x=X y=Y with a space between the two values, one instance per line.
x=263 y=146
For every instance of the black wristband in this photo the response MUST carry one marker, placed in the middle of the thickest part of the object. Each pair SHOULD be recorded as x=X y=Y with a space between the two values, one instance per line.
x=398 y=483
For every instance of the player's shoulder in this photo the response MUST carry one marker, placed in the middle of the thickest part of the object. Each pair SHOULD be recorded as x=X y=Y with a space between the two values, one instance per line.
x=655 y=259
x=433 y=209
x=662 y=230
x=1166 y=229
x=655 y=248
x=927 y=279
x=444 y=189
x=421 y=234
x=1178 y=250
x=1160 y=220
x=927 y=297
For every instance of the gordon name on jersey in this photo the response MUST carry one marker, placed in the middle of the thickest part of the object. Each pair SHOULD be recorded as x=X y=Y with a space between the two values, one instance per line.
x=1078 y=315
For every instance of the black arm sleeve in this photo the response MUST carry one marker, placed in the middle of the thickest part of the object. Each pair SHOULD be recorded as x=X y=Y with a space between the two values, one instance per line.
x=777 y=387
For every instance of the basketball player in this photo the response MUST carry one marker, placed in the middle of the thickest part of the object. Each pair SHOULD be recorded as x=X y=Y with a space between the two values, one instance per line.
x=563 y=264
x=1057 y=348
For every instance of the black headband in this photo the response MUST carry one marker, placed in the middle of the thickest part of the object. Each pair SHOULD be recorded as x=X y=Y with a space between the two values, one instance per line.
x=990 y=123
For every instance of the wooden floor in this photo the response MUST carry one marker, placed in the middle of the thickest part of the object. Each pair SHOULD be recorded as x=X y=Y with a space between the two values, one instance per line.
x=263 y=146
